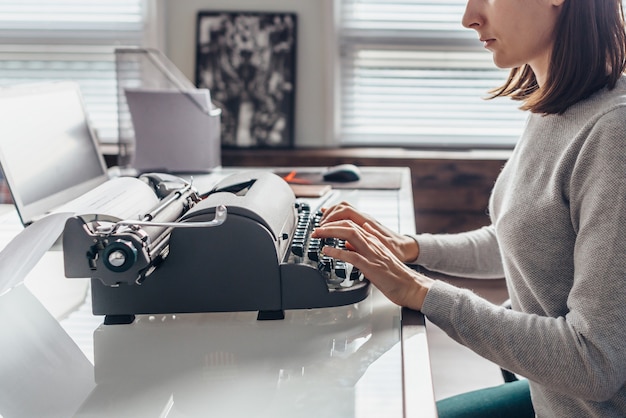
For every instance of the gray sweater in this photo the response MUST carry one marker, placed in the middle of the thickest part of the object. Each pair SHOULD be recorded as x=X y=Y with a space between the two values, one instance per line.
x=558 y=236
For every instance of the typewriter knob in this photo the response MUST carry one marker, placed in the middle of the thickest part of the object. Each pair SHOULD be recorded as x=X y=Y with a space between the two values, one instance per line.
x=119 y=256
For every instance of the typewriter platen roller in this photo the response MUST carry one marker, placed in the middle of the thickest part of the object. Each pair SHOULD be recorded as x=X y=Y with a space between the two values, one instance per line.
x=245 y=246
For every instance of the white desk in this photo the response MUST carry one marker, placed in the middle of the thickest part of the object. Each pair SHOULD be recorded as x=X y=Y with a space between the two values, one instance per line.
x=364 y=360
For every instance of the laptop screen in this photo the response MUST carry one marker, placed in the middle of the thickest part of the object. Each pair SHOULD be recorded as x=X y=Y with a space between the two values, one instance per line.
x=48 y=152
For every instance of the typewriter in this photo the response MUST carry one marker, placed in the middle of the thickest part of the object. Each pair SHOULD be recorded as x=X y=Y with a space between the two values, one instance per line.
x=243 y=246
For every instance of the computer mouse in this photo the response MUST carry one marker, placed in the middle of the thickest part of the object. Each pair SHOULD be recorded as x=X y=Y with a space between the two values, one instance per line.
x=342 y=173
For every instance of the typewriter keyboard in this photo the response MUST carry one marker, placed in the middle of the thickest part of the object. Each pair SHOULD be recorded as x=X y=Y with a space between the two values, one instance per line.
x=305 y=249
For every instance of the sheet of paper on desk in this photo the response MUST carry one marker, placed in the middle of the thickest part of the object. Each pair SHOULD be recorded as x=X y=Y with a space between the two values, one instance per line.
x=310 y=190
x=26 y=249
x=43 y=371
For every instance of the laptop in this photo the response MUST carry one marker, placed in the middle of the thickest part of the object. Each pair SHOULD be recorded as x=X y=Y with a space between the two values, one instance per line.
x=48 y=151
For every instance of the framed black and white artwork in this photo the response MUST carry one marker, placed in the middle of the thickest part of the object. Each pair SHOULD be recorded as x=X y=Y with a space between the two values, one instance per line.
x=247 y=61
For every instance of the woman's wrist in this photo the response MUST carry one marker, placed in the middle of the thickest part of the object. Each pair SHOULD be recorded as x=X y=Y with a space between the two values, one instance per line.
x=409 y=248
x=419 y=291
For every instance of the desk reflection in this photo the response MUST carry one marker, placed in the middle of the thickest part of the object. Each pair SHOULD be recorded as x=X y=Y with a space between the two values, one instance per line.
x=331 y=362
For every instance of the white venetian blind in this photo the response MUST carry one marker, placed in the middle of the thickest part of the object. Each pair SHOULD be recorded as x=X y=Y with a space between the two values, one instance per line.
x=412 y=75
x=44 y=40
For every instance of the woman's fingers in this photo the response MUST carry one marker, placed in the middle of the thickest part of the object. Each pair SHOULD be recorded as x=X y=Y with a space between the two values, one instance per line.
x=403 y=247
x=365 y=251
x=341 y=211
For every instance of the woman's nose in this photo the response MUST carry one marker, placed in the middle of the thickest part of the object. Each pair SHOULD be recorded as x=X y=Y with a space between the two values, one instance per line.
x=471 y=17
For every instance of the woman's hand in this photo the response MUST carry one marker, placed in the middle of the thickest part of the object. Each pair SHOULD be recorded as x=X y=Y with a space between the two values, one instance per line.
x=403 y=247
x=365 y=251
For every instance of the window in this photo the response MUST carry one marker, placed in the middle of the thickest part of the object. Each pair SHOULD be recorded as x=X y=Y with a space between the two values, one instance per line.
x=45 y=40
x=411 y=75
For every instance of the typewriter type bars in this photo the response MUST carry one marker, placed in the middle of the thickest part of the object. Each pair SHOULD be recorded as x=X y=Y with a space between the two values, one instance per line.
x=308 y=250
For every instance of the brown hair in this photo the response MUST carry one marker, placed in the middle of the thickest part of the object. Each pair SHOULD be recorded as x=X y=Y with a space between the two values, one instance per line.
x=589 y=54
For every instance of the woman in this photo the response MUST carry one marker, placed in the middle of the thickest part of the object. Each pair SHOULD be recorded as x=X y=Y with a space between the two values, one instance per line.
x=558 y=213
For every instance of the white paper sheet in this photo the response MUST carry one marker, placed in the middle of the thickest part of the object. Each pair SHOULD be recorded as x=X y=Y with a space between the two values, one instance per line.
x=43 y=373
x=123 y=198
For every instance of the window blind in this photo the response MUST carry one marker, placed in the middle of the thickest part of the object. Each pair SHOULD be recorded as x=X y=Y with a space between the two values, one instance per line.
x=47 y=40
x=412 y=75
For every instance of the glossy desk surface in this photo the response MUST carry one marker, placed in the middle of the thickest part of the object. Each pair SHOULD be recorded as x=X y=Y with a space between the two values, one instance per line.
x=364 y=360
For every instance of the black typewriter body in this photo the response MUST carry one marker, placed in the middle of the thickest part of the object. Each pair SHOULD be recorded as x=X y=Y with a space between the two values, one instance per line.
x=260 y=258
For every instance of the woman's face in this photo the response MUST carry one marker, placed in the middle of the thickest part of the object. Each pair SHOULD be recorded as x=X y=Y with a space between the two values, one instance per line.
x=517 y=32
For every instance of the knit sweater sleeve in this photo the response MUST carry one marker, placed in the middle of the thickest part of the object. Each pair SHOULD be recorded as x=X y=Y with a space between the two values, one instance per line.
x=574 y=347
x=473 y=254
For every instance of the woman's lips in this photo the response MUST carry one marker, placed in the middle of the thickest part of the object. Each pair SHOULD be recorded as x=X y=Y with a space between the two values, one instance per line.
x=487 y=42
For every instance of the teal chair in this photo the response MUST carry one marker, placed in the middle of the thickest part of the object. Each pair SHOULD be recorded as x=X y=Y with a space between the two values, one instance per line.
x=508 y=400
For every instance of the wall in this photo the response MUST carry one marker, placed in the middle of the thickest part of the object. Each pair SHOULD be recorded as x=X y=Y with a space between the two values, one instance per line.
x=313 y=81
x=451 y=190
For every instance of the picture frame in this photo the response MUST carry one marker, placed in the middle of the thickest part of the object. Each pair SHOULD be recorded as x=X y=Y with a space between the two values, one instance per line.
x=247 y=60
